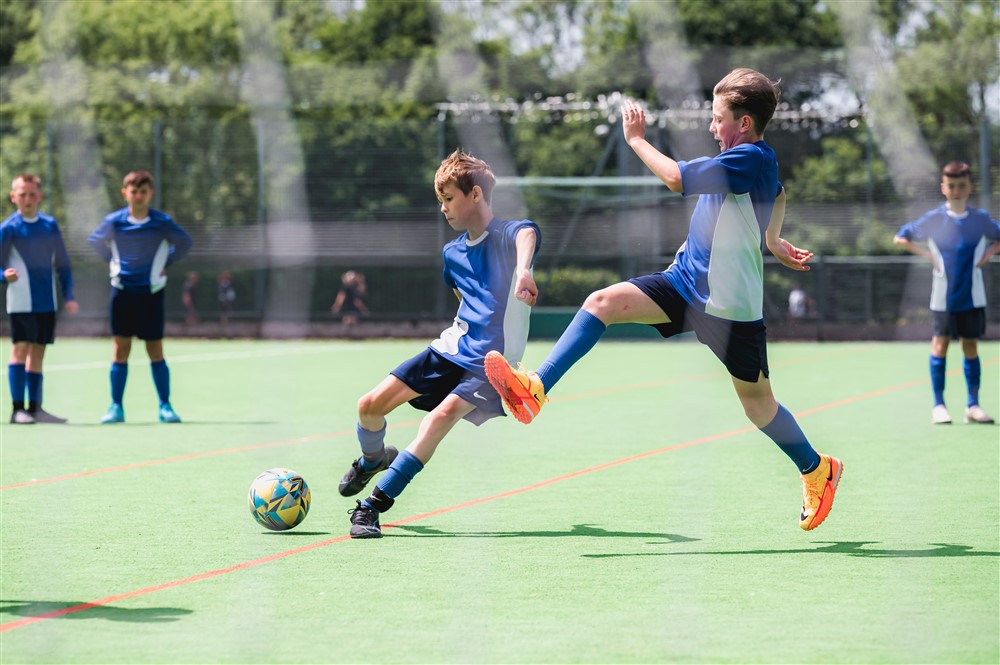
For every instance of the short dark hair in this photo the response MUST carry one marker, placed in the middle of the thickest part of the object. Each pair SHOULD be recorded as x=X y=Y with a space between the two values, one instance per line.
x=465 y=172
x=748 y=92
x=26 y=177
x=956 y=169
x=138 y=179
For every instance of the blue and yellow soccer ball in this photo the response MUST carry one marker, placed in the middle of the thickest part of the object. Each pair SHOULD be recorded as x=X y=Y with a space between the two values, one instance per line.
x=279 y=499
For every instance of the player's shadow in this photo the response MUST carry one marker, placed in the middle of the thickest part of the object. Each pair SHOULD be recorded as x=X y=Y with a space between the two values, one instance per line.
x=849 y=548
x=35 y=608
x=576 y=531
x=289 y=532
x=153 y=423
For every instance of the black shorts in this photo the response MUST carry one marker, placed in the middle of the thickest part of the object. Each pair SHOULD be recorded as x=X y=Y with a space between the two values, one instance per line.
x=33 y=327
x=741 y=346
x=970 y=324
x=435 y=377
x=137 y=314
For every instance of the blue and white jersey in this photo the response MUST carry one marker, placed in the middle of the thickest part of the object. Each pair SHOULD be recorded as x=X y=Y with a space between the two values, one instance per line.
x=139 y=250
x=35 y=248
x=720 y=267
x=490 y=317
x=957 y=243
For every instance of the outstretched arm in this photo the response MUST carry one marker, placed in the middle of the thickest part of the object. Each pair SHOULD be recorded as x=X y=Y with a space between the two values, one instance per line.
x=788 y=254
x=634 y=126
x=525 y=289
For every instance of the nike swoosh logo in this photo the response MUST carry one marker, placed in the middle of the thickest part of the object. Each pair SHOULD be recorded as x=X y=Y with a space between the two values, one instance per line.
x=478 y=396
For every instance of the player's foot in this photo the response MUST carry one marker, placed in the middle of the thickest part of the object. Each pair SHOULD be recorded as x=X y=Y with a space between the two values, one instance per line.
x=167 y=414
x=818 y=488
x=21 y=417
x=43 y=416
x=521 y=390
x=975 y=414
x=364 y=522
x=115 y=414
x=940 y=415
x=356 y=477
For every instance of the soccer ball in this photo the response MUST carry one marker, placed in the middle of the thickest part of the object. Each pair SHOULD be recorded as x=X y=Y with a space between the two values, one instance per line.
x=279 y=499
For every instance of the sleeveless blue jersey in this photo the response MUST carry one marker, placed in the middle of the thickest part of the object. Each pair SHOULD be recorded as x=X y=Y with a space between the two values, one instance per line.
x=958 y=243
x=36 y=249
x=490 y=317
x=720 y=267
x=138 y=251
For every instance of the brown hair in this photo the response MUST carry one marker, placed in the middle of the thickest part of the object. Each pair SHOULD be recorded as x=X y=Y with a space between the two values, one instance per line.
x=748 y=92
x=956 y=169
x=138 y=179
x=465 y=172
x=26 y=177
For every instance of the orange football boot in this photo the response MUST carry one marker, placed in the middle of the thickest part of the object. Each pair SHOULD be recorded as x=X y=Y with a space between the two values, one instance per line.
x=521 y=390
x=818 y=488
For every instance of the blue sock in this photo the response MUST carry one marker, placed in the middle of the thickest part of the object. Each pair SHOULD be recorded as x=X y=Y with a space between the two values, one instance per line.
x=34 y=380
x=577 y=340
x=372 y=446
x=16 y=379
x=785 y=432
x=398 y=475
x=119 y=374
x=937 y=378
x=161 y=379
x=973 y=371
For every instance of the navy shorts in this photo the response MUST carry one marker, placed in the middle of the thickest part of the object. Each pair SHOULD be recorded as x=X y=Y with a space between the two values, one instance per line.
x=33 y=327
x=435 y=377
x=741 y=346
x=137 y=314
x=970 y=324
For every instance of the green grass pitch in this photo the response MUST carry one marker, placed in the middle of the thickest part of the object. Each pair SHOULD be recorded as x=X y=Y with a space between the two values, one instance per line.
x=640 y=519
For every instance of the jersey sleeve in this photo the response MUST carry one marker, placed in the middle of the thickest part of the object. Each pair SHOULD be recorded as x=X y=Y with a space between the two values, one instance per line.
x=731 y=172
x=6 y=243
x=916 y=230
x=513 y=228
x=100 y=238
x=179 y=239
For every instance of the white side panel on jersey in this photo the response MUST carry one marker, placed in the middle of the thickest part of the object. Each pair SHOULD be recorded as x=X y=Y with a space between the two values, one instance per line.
x=157 y=280
x=115 y=266
x=19 y=292
x=736 y=267
x=978 y=286
x=516 y=319
x=447 y=343
x=939 y=280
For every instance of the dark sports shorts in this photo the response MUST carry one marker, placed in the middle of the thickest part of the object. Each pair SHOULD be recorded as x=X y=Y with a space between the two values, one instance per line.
x=137 y=314
x=435 y=377
x=33 y=327
x=970 y=324
x=741 y=346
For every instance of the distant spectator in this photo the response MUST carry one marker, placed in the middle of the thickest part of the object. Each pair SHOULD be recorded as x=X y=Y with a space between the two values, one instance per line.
x=226 y=295
x=189 y=300
x=350 y=300
x=800 y=305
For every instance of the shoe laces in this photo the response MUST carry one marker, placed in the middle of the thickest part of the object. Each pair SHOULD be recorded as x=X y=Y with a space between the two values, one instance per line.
x=362 y=514
x=521 y=369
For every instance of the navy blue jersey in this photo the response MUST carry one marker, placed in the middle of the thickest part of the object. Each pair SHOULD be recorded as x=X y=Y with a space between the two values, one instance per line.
x=36 y=250
x=490 y=317
x=138 y=251
x=720 y=267
x=958 y=243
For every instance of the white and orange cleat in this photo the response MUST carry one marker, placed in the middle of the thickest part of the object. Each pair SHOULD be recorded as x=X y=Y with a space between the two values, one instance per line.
x=818 y=489
x=521 y=390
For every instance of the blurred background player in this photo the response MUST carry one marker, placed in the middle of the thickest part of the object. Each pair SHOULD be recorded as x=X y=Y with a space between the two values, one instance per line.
x=489 y=268
x=960 y=240
x=139 y=244
x=350 y=300
x=226 y=294
x=189 y=298
x=715 y=284
x=31 y=249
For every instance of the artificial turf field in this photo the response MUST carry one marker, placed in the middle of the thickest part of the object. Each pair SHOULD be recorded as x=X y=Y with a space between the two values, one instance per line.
x=639 y=519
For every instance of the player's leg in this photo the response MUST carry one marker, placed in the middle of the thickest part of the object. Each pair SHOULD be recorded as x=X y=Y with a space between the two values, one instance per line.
x=16 y=376
x=161 y=380
x=373 y=407
x=820 y=474
x=974 y=413
x=433 y=428
x=524 y=392
x=942 y=324
x=35 y=380
x=121 y=348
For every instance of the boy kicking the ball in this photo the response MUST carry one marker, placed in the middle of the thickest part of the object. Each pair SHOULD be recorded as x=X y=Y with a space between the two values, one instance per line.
x=489 y=268
x=715 y=285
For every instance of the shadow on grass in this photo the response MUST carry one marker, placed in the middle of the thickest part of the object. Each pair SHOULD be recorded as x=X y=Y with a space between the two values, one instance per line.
x=576 y=531
x=290 y=532
x=848 y=548
x=154 y=423
x=34 y=608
